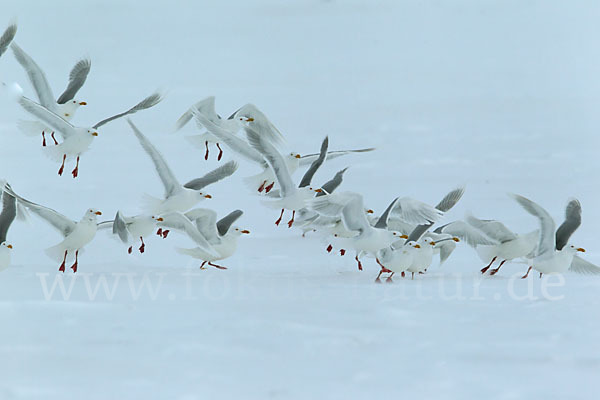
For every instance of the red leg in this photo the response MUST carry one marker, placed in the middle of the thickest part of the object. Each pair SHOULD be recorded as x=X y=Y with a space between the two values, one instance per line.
x=359 y=263
x=220 y=152
x=540 y=275
x=291 y=221
x=262 y=187
x=403 y=274
x=281 y=216
x=62 y=266
x=159 y=232
x=143 y=246
x=130 y=249
x=389 y=278
x=165 y=233
x=206 y=154
x=268 y=188
x=43 y=139
x=76 y=170
x=217 y=266
x=202 y=265
x=495 y=270
x=527 y=274
x=342 y=252
x=74 y=266
x=413 y=275
x=329 y=248
x=62 y=167
x=53 y=138
x=484 y=269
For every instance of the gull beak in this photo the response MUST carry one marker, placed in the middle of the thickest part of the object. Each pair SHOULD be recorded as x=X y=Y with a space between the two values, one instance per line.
x=581 y=250
x=369 y=211
x=98 y=213
x=298 y=156
x=207 y=196
x=83 y=103
x=160 y=219
x=417 y=246
x=249 y=119
x=246 y=231
x=432 y=243
x=9 y=246
x=404 y=236
x=456 y=239
x=318 y=190
x=95 y=134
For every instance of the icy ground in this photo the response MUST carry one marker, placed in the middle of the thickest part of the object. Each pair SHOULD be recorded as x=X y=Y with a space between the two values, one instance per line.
x=498 y=95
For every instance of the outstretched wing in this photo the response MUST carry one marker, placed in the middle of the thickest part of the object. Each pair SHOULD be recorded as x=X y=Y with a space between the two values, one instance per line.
x=332 y=184
x=309 y=158
x=213 y=176
x=225 y=223
x=63 y=224
x=572 y=222
x=492 y=228
x=582 y=266
x=467 y=233
x=205 y=106
x=36 y=77
x=7 y=37
x=77 y=78
x=206 y=223
x=148 y=102
x=181 y=223
x=547 y=240
x=120 y=228
x=314 y=167
x=415 y=212
x=9 y=212
x=164 y=172
x=44 y=114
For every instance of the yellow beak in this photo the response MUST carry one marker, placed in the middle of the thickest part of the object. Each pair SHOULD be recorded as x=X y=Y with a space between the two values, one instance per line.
x=95 y=134
x=581 y=250
x=83 y=103
x=246 y=231
x=159 y=219
x=207 y=196
x=98 y=213
x=9 y=246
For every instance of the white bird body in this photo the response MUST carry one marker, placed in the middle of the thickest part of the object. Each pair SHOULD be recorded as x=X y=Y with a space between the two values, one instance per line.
x=82 y=234
x=397 y=260
x=422 y=255
x=4 y=256
x=180 y=201
x=521 y=246
x=224 y=249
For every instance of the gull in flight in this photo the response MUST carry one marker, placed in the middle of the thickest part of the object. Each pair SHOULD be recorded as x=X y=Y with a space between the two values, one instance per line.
x=221 y=235
x=134 y=227
x=9 y=212
x=76 y=234
x=76 y=139
x=554 y=254
x=178 y=197
x=65 y=105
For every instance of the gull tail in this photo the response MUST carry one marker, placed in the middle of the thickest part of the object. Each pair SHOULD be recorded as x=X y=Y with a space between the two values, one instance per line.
x=196 y=252
x=33 y=128
x=151 y=204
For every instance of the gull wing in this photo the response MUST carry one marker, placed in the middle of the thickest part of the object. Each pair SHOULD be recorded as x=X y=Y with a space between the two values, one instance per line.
x=120 y=228
x=148 y=102
x=9 y=212
x=164 y=172
x=61 y=223
x=309 y=158
x=332 y=184
x=415 y=212
x=492 y=228
x=77 y=78
x=46 y=115
x=274 y=159
x=36 y=77
x=314 y=167
x=181 y=223
x=467 y=233
x=213 y=176
x=547 y=241
x=205 y=106
x=582 y=266
x=225 y=223
x=206 y=223
x=7 y=37
x=572 y=222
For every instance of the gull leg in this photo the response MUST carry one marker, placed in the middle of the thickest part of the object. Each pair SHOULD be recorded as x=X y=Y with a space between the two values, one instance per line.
x=342 y=252
x=527 y=274
x=62 y=166
x=389 y=278
x=165 y=233
x=291 y=221
x=130 y=249
x=329 y=248
x=484 y=269
x=413 y=276
x=220 y=152
x=540 y=275
x=159 y=232
x=268 y=188
x=202 y=265
x=281 y=216
x=62 y=266
x=53 y=138
x=43 y=139
x=143 y=246
x=403 y=274
x=495 y=270
x=262 y=186
x=359 y=263
x=74 y=266
x=76 y=170
x=206 y=154
x=216 y=266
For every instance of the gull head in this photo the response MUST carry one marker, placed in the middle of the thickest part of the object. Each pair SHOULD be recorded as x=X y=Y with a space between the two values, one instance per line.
x=92 y=132
x=69 y=108
x=573 y=249
x=157 y=219
x=91 y=214
x=239 y=231
x=6 y=246
x=427 y=240
x=294 y=156
x=202 y=195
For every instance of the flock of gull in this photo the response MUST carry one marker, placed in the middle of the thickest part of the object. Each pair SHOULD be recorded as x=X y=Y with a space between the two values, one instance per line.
x=401 y=240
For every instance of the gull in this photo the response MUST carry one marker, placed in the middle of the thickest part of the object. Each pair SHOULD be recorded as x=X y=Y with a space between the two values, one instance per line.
x=366 y=238
x=553 y=254
x=66 y=105
x=7 y=37
x=395 y=260
x=9 y=212
x=137 y=226
x=207 y=108
x=291 y=197
x=221 y=235
x=265 y=180
x=492 y=240
x=178 y=197
x=76 y=139
x=76 y=234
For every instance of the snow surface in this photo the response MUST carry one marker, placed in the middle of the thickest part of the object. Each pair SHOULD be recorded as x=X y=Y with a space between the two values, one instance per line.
x=498 y=95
